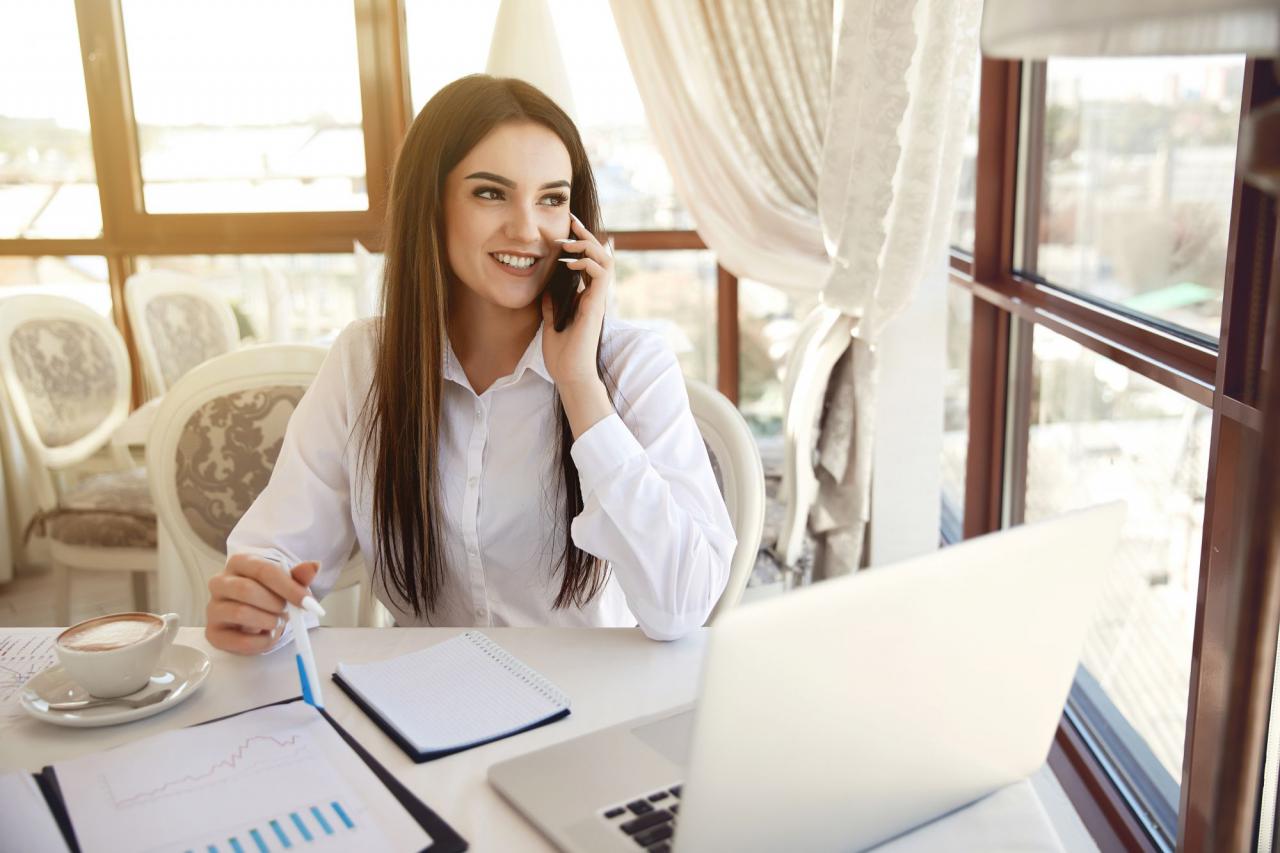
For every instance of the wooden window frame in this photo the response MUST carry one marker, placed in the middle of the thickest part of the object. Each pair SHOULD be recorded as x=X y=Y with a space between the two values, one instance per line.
x=128 y=231
x=1225 y=378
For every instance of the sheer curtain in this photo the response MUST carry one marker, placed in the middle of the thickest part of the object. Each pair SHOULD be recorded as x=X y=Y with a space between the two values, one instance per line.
x=816 y=148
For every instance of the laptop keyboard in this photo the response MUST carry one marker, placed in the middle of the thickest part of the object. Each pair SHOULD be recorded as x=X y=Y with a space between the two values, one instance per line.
x=649 y=821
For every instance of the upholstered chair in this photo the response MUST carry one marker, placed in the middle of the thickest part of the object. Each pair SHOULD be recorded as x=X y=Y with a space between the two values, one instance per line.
x=177 y=323
x=212 y=446
x=735 y=461
x=65 y=372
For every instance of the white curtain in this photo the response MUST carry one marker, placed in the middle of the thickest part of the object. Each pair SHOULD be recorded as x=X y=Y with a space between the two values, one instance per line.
x=816 y=153
x=736 y=94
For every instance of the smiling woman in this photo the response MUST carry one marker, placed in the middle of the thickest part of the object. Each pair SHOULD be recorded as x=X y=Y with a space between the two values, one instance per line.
x=468 y=439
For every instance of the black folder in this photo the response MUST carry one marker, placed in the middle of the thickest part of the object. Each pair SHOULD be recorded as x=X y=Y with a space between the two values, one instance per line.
x=444 y=838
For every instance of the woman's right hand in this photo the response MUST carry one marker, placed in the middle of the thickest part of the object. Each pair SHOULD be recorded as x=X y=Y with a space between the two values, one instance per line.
x=246 y=604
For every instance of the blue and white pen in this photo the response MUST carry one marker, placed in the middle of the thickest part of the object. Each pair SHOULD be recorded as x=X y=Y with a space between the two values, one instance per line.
x=307 y=673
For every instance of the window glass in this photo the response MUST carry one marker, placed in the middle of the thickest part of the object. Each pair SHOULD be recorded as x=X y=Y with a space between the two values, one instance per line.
x=240 y=109
x=1135 y=199
x=447 y=41
x=286 y=298
x=1100 y=432
x=48 y=186
x=967 y=191
x=769 y=321
x=955 y=424
x=673 y=293
x=83 y=278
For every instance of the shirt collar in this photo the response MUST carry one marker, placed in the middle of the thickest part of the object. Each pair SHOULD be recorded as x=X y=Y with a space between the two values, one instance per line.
x=531 y=360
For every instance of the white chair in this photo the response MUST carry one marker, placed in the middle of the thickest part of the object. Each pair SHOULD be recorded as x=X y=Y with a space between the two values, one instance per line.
x=824 y=336
x=740 y=475
x=204 y=476
x=66 y=374
x=177 y=323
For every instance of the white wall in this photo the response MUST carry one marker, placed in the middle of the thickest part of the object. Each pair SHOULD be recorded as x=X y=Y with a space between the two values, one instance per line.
x=906 y=478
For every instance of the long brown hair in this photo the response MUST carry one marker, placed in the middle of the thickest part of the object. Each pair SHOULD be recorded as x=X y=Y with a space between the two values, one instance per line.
x=401 y=416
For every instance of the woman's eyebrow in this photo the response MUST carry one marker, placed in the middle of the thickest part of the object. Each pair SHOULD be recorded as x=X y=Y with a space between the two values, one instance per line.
x=507 y=182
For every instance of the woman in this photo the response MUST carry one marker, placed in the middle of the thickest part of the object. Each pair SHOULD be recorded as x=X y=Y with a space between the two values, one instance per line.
x=501 y=453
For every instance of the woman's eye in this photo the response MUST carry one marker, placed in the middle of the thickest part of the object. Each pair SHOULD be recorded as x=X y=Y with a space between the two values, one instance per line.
x=488 y=193
x=556 y=200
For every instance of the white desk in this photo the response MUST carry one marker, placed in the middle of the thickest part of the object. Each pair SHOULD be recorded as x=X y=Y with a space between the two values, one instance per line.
x=610 y=674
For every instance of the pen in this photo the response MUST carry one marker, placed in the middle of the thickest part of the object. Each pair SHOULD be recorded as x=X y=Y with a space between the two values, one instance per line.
x=302 y=651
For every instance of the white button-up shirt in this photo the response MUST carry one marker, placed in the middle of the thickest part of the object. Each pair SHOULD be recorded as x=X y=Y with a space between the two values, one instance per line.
x=651 y=505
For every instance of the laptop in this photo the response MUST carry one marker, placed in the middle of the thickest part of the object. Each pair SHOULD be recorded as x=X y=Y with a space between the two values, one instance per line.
x=846 y=713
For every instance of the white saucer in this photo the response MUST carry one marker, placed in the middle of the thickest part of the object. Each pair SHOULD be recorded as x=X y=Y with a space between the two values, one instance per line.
x=182 y=669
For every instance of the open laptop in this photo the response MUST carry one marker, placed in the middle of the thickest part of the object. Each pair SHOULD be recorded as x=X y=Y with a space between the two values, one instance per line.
x=846 y=713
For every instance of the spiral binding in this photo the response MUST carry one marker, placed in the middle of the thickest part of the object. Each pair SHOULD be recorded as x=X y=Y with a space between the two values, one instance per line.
x=507 y=661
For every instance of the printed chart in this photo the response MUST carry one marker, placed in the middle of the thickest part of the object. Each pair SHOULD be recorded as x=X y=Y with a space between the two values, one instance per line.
x=270 y=780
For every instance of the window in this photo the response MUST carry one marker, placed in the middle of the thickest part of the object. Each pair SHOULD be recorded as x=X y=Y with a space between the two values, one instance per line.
x=1100 y=432
x=82 y=278
x=446 y=41
x=236 y=111
x=769 y=323
x=1112 y=300
x=48 y=185
x=955 y=414
x=1136 y=165
x=636 y=191
x=967 y=191
x=673 y=293
x=286 y=298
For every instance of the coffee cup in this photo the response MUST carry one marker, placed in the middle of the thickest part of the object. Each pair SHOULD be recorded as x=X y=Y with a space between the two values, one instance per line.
x=115 y=655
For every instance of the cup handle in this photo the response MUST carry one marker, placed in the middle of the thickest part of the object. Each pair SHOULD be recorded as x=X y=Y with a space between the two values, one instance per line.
x=171 y=623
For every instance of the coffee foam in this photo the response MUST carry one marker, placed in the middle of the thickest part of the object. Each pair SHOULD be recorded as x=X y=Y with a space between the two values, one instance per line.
x=107 y=634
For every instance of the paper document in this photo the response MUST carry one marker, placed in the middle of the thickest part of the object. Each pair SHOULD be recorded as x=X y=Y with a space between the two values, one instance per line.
x=23 y=655
x=465 y=690
x=28 y=823
x=275 y=778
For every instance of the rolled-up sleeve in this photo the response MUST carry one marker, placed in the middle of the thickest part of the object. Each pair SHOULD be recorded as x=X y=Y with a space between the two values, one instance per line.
x=651 y=506
x=304 y=513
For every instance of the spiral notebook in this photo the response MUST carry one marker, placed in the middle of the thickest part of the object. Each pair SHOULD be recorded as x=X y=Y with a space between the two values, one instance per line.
x=452 y=696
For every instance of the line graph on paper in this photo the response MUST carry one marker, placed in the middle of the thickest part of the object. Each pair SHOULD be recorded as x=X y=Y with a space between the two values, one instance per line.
x=253 y=755
x=269 y=779
x=23 y=655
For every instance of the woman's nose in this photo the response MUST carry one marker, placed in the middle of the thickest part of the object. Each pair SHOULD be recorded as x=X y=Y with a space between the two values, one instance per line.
x=522 y=225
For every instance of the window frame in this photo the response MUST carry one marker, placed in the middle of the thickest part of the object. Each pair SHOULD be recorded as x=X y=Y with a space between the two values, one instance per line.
x=129 y=231
x=1224 y=377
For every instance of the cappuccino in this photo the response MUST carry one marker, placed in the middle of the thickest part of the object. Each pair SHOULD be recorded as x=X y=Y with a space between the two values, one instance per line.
x=108 y=633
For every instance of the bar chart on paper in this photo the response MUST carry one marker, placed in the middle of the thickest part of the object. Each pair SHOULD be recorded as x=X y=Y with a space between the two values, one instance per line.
x=230 y=787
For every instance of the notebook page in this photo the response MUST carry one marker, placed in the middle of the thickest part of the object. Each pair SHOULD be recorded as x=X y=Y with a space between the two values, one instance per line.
x=460 y=692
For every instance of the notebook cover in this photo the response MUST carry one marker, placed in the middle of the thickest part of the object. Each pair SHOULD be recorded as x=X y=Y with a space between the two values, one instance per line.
x=422 y=757
x=444 y=838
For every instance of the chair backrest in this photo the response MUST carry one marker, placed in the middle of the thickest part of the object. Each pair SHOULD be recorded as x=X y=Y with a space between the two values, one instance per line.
x=178 y=323
x=65 y=371
x=203 y=475
x=740 y=475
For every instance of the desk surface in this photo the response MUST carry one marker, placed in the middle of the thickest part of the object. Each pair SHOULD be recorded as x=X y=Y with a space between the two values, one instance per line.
x=615 y=675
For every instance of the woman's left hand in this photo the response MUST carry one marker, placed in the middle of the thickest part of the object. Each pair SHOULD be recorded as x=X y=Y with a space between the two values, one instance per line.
x=570 y=355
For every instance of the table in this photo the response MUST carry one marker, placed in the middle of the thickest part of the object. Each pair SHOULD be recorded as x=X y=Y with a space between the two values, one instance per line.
x=610 y=674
